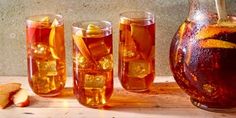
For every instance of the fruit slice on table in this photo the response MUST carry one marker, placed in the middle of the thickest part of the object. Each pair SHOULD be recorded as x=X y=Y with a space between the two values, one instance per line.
x=6 y=91
x=78 y=40
x=216 y=43
x=21 y=98
x=9 y=88
x=52 y=40
x=142 y=39
x=4 y=100
x=212 y=30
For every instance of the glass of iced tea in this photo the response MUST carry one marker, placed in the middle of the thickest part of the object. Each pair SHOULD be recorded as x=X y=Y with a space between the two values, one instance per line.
x=136 y=50
x=46 y=54
x=92 y=62
x=203 y=57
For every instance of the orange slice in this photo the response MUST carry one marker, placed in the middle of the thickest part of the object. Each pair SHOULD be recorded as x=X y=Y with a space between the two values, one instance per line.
x=52 y=39
x=78 y=40
x=216 y=43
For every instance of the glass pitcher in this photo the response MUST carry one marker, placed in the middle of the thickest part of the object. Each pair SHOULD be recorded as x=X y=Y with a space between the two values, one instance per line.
x=203 y=55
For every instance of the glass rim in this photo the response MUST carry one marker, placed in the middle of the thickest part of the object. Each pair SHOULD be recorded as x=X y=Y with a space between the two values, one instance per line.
x=30 y=20
x=78 y=24
x=125 y=15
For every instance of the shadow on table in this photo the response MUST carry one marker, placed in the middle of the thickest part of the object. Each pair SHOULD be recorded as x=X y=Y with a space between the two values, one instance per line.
x=61 y=100
x=163 y=98
x=159 y=94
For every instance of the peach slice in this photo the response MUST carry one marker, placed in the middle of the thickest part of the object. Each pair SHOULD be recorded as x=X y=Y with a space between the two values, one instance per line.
x=9 y=88
x=4 y=100
x=6 y=91
x=93 y=30
x=82 y=46
x=52 y=39
x=45 y=19
x=211 y=30
x=142 y=38
x=216 y=43
x=21 y=98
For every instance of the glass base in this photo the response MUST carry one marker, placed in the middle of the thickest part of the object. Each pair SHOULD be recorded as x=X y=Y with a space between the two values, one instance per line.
x=93 y=105
x=200 y=105
x=49 y=95
x=138 y=90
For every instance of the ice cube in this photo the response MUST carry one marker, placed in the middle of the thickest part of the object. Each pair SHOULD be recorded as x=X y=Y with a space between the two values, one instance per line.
x=106 y=63
x=82 y=61
x=41 y=83
x=95 y=96
x=49 y=68
x=94 y=81
x=99 y=49
x=128 y=52
x=142 y=38
x=139 y=69
x=44 y=84
x=40 y=51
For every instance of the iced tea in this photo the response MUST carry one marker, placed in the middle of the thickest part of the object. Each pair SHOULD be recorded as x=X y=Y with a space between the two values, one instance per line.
x=202 y=58
x=46 y=54
x=137 y=50
x=92 y=62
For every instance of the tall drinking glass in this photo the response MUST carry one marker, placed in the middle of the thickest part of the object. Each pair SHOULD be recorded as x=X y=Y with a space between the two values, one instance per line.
x=46 y=54
x=92 y=62
x=137 y=50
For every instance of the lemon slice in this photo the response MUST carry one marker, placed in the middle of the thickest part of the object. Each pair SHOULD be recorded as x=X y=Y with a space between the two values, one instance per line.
x=82 y=46
x=52 y=39
x=216 y=43
x=93 y=30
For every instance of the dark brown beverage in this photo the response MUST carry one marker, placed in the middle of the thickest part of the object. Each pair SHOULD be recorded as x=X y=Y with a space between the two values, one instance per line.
x=137 y=51
x=203 y=61
x=93 y=63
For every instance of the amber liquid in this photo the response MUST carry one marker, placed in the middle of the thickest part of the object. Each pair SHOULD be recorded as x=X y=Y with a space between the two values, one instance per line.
x=46 y=61
x=202 y=58
x=93 y=70
x=137 y=56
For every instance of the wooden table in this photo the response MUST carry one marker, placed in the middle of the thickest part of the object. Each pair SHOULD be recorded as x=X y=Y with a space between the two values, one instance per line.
x=165 y=100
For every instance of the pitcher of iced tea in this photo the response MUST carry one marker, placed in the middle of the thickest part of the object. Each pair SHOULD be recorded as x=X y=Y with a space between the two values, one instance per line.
x=203 y=54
